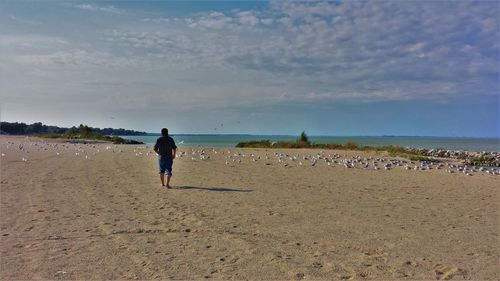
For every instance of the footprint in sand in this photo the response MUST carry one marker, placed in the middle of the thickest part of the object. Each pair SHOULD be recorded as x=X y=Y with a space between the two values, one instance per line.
x=364 y=274
x=29 y=228
x=317 y=265
x=445 y=272
x=343 y=273
x=299 y=276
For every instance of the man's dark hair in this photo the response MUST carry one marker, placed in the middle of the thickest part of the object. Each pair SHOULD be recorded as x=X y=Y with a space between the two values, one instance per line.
x=164 y=132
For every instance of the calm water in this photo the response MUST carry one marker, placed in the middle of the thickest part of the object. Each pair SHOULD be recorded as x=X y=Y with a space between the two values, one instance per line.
x=472 y=144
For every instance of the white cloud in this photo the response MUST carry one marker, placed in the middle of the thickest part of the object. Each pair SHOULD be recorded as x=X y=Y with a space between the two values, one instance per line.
x=157 y=20
x=31 y=40
x=267 y=21
x=76 y=57
x=213 y=20
x=247 y=18
x=24 y=21
x=92 y=7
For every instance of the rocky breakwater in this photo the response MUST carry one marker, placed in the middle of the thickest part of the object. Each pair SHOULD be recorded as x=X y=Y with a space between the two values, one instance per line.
x=474 y=158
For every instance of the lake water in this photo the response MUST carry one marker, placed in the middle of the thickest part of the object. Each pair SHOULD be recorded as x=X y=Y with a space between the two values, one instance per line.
x=471 y=144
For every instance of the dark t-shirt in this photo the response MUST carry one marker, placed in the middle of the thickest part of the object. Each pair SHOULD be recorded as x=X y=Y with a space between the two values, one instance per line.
x=164 y=146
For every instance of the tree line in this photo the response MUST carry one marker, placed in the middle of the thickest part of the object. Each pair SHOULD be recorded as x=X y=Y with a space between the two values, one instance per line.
x=17 y=128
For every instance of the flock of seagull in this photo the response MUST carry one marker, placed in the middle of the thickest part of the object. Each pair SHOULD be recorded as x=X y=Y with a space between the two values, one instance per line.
x=332 y=160
x=236 y=157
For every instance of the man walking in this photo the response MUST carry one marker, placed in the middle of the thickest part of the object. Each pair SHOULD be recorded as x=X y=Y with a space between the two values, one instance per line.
x=165 y=148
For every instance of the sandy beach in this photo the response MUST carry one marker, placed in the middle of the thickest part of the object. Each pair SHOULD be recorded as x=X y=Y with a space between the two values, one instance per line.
x=97 y=211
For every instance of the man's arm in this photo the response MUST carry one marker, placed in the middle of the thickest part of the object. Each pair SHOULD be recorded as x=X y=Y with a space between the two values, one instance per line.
x=174 y=149
x=156 y=148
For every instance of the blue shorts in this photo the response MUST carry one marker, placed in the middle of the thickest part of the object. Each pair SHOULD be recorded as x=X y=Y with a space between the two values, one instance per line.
x=165 y=165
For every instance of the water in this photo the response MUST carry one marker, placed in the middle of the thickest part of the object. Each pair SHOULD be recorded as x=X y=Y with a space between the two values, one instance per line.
x=471 y=144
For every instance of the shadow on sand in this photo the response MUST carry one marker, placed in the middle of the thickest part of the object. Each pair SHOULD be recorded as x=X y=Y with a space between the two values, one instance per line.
x=214 y=189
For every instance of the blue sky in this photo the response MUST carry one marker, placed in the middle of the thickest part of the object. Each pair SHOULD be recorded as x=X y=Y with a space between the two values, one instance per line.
x=330 y=68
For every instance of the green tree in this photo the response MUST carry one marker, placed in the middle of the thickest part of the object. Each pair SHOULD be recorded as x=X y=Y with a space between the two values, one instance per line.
x=303 y=137
x=85 y=130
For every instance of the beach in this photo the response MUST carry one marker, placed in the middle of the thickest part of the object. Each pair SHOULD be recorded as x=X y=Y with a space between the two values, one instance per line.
x=97 y=211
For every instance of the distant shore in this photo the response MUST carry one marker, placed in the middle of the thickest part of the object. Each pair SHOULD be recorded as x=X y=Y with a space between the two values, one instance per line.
x=222 y=140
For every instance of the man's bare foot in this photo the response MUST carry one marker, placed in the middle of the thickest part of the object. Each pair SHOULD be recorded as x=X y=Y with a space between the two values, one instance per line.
x=169 y=187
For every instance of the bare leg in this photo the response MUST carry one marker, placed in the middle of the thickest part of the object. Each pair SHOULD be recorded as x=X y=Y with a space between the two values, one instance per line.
x=168 y=181
x=162 y=178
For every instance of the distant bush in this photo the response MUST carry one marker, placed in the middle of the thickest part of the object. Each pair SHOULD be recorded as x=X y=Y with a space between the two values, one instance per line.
x=49 y=135
x=291 y=144
x=303 y=142
x=482 y=161
x=421 y=158
x=327 y=146
x=86 y=133
x=394 y=149
x=351 y=146
x=255 y=144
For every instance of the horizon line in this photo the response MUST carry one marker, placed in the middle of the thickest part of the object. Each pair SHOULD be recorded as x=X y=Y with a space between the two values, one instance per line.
x=287 y=135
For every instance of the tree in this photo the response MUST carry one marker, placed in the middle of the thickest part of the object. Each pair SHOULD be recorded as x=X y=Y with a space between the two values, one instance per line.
x=303 y=137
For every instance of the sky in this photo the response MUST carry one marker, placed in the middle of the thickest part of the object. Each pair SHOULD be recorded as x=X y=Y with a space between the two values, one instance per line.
x=357 y=68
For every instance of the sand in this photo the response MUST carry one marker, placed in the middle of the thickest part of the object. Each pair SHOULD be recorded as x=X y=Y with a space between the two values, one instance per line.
x=102 y=214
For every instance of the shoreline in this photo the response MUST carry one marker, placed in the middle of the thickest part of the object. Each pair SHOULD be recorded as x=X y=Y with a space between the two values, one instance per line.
x=460 y=157
x=228 y=141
